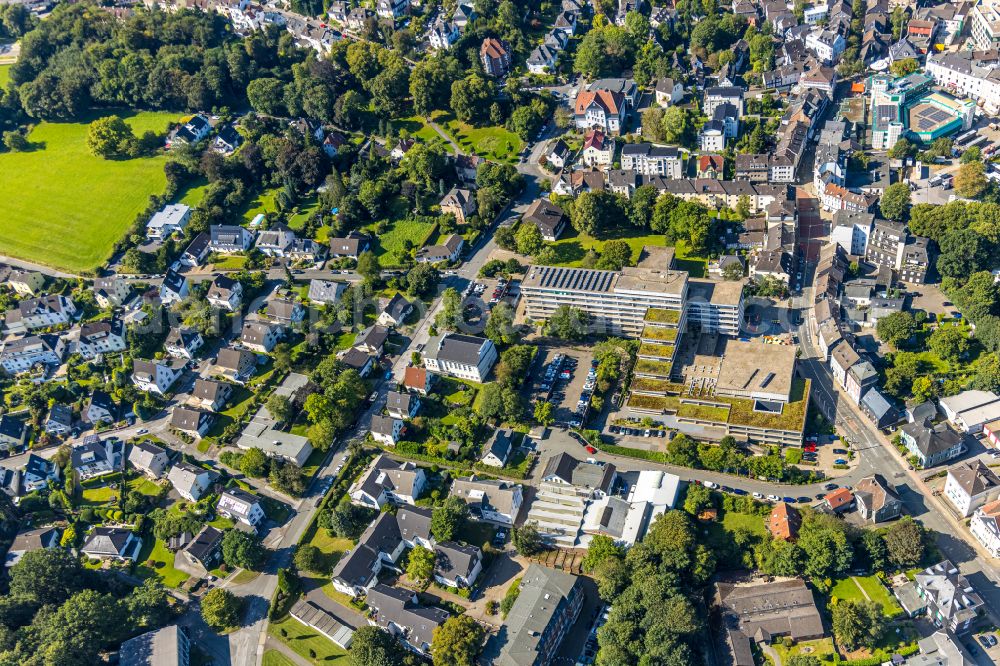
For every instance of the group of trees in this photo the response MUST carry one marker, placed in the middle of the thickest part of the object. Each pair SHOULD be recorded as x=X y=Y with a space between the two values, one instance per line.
x=726 y=457
x=57 y=611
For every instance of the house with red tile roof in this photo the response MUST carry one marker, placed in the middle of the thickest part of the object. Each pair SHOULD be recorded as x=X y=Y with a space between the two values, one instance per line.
x=598 y=149
x=495 y=57
x=839 y=500
x=600 y=109
x=711 y=166
x=784 y=522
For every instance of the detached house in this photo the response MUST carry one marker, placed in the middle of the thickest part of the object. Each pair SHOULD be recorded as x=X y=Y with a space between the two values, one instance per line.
x=970 y=485
x=236 y=365
x=112 y=543
x=449 y=251
x=386 y=480
x=13 y=432
x=668 y=91
x=100 y=408
x=172 y=219
x=386 y=429
x=985 y=526
x=191 y=421
x=41 y=312
x=948 y=598
x=38 y=472
x=876 y=499
x=237 y=504
x=598 y=149
x=285 y=311
x=261 y=336
x=111 y=292
x=149 y=459
x=210 y=394
x=600 y=109
x=398 y=612
x=95 y=457
x=23 y=354
x=931 y=444
x=59 y=422
x=230 y=238
x=547 y=216
x=381 y=544
x=197 y=251
x=202 y=554
x=350 y=246
x=459 y=202
x=189 y=481
x=402 y=405
x=26 y=283
x=225 y=293
x=156 y=376
x=174 y=288
x=395 y=311
x=275 y=241
x=457 y=565
x=418 y=380
x=101 y=337
x=497 y=450
x=183 y=342
x=325 y=292
x=492 y=500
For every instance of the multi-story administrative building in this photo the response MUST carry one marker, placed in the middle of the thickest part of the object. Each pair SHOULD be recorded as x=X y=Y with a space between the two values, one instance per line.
x=616 y=301
x=985 y=26
x=716 y=307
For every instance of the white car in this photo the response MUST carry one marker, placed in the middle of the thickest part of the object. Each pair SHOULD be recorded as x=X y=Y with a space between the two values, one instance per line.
x=708 y=484
x=773 y=498
x=758 y=496
x=141 y=431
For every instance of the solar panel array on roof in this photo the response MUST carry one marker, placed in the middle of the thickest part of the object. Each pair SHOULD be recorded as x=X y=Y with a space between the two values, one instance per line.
x=576 y=279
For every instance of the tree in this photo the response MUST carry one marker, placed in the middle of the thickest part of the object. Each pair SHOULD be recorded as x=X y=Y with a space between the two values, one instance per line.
x=615 y=255
x=373 y=646
x=420 y=567
x=543 y=413
x=683 y=451
x=240 y=549
x=111 y=138
x=697 y=499
x=526 y=539
x=963 y=252
x=827 y=549
x=346 y=520
x=528 y=239
x=601 y=548
x=368 y=266
x=970 y=181
x=515 y=362
x=895 y=202
x=310 y=558
x=254 y=463
x=901 y=68
x=279 y=407
x=678 y=126
x=449 y=318
x=949 y=342
x=804 y=660
x=47 y=576
x=422 y=280
x=220 y=608
x=733 y=271
x=896 y=328
x=568 y=323
x=500 y=326
x=471 y=98
x=321 y=434
x=974 y=154
x=904 y=542
x=858 y=623
x=448 y=519
x=456 y=642
x=596 y=212
x=902 y=148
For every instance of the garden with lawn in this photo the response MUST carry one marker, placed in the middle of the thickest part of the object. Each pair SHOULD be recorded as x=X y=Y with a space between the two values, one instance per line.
x=573 y=246
x=494 y=142
x=155 y=559
x=64 y=207
x=390 y=245
x=4 y=75
x=275 y=658
x=308 y=643
x=861 y=588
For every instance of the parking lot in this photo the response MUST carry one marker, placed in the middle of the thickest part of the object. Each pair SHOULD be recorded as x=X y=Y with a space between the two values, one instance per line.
x=562 y=379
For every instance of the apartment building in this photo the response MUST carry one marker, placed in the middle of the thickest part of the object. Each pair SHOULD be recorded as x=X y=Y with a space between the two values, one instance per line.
x=966 y=75
x=985 y=24
x=716 y=307
x=648 y=159
x=616 y=301
x=463 y=356
x=567 y=487
x=544 y=611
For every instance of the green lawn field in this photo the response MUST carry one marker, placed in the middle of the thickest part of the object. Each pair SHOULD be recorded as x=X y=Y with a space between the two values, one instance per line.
x=856 y=587
x=302 y=639
x=156 y=560
x=275 y=658
x=389 y=246
x=62 y=206
x=571 y=248
x=494 y=142
x=4 y=75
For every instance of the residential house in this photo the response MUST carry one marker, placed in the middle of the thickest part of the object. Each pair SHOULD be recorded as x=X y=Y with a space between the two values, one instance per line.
x=26 y=283
x=197 y=251
x=600 y=109
x=843 y=358
x=13 y=432
x=402 y=405
x=414 y=524
x=59 y=422
x=112 y=543
x=495 y=57
x=711 y=166
x=239 y=505
x=648 y=159
x=718 y=95
x=202 y=554
x=38 y=472
x=100 y=408
x=229 y=238
x=193 y=131
x=227 y=140
x=543 y=58
x=391 y=9
x=668 y=91
x=386 y=429
x=276 y=241
x=41 y=312
x=397 y=611
x=459 y=202
x=183 y=342
x=325 y=292
x=380 y=545
x=191 y=421
x=948 y=598
x=285 y=311
x=839 y=500
x=443 y=34
x=111 y=292
x=395 y=311
x=712 y=137
x=861 y=377
x=97 y=338
x=457 y=565
x=418 y=380
x=459 y=355
x=372 y=339
x=386 y=480
x=449 y=251
x=22 y=354
x=931 y=444
x=156 y=375
x=598 y=149
x=496 y=451
x=30 y=540
x=95 y=457
x=985 y=527
x=357 y=360
x=174 y=288
x=190 y=481
x=492 y=500
x=261 y=336
x=350 y=246
x=876 y=499
x=543 y=612
x=548 y=217
x=332 y=143
x=262 y=433
x=558 y=154
x=970 y=485
x=172 y=219
x=566 y=489
x=878 y=409
x=826 y=45
x=784 y=522
x=210 y=394
x=149 y=458
x=11 y=482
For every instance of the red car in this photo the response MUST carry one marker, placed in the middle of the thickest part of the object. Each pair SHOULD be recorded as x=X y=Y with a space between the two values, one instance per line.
x=810 y=448
x=591 y=449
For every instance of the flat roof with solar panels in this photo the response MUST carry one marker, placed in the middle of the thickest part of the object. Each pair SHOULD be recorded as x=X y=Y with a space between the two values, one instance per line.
x=597 y=281
x=756 y=370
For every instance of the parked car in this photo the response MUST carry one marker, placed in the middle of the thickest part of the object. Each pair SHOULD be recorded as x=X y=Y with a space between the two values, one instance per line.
x=590 y=449
x=839 y=461
x=708 y=484
x=758 y=496
x=773 y=498
x=831 y=486
x=739 y=491
x=841 y=452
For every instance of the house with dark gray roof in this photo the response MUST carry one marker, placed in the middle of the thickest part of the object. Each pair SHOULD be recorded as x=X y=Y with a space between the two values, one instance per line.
x=878 y=409
x=96 y=457
x=30 y=540
x=115 y=543
x=372 y=339
x=493 y=500
x=60 y=419
x=211 y=394
x=497 y=449
x=261 y=336
x=202 y=554
x=235 y=364
x=386 y=480
x=351 y=245
x=876 y=499
x=13 y=432
x=395 y=311
x=464 y=356
x=11 y=482
x=415 y=526
x=932 y=444
x=947 y=597
x=357 y=360
x=386 y=429
x=285 y=311
x=543 y=613
x=225 y=293
x=100 y=408
x=398 y=612
x=191 y=420
x=548 y=217
x=762 y=610
x=325 y=292
x=38 y=472
x=183 y=342
x=230 y=238
x=379 y=545
x=402 y=405
x=168 y=646
x=456 y=565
